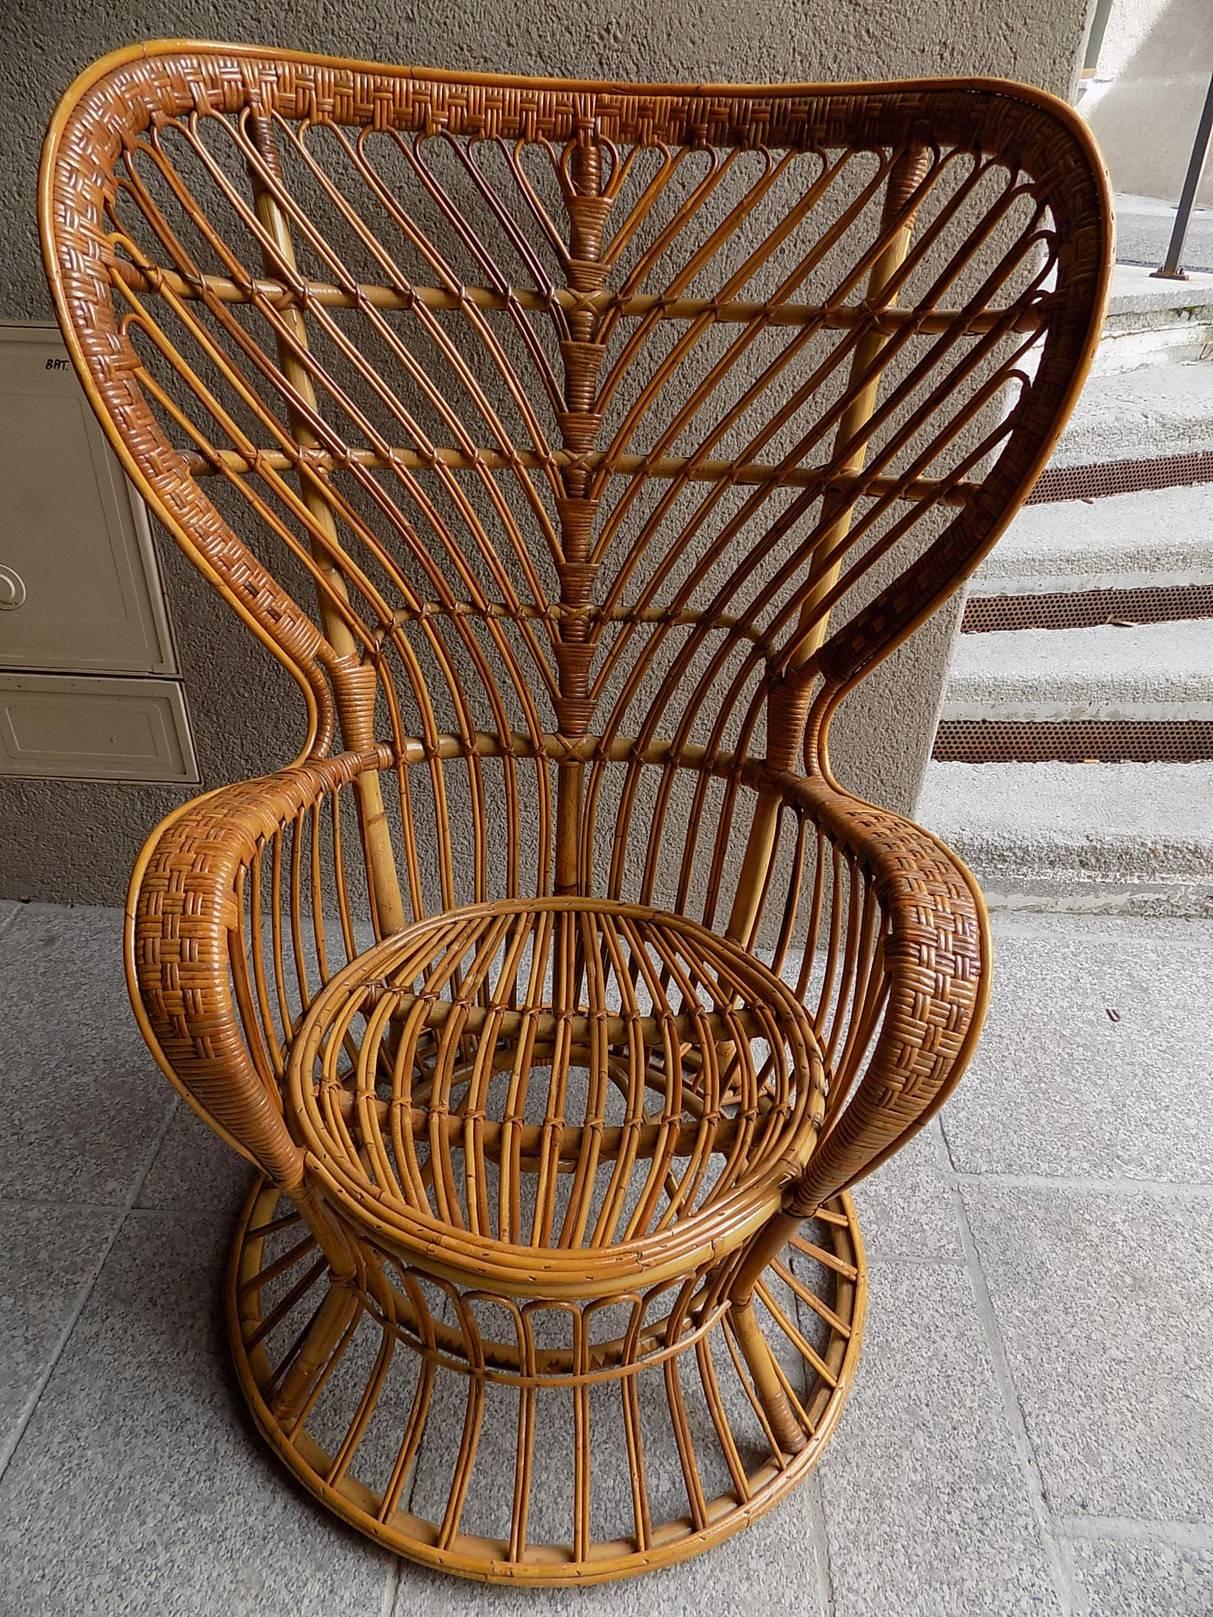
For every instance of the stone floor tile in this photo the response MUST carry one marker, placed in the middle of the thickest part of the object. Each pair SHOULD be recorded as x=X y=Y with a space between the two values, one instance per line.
x=83 y=1099
x=195 y=1168
x=139 y=1487
x=48 y=1255
x=1140 y=1578
x=907 y=1209
x=1104 y=1303
x=926 y=1508
x=1088 y=1017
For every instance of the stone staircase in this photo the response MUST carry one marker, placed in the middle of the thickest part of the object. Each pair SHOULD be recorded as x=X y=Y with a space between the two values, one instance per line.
x=1073 y=766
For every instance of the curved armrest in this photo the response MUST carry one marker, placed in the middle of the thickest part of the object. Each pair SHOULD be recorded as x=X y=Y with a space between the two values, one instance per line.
x=187 y=951
x=936 y=966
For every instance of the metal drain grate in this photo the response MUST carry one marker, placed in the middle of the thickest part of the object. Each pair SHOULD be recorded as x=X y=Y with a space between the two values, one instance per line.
x=1073 y=741
x=1086 y=609
x=1097 y=481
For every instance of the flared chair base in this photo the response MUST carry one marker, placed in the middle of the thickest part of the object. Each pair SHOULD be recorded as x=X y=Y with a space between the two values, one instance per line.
x=435 y=1438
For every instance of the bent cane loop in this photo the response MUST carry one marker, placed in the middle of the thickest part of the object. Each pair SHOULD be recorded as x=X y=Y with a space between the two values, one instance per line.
x=787 y=707
x=354 y=681
x=787 y=712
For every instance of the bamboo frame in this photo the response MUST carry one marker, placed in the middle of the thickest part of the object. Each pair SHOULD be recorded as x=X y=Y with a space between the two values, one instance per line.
x=620 y=431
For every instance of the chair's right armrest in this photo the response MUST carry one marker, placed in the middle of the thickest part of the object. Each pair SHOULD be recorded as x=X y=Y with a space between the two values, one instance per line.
x=188 y=945
x=932 y=965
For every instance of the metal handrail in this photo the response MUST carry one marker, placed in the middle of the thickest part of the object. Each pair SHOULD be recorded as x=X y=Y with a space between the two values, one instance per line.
x=1171 y=268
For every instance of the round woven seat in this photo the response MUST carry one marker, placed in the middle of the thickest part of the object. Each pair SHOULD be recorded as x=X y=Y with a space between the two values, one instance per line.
x=569 y=1092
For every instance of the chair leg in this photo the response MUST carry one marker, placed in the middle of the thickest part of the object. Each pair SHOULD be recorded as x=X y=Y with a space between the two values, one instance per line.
x=766 y=1245
x=333 y=1318
x=785 y=1428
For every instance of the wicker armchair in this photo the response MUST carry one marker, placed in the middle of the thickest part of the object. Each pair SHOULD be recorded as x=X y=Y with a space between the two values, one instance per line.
x=558 y=991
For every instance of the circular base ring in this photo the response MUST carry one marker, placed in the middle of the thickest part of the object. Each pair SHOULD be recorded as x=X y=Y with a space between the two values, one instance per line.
x=838 y=1263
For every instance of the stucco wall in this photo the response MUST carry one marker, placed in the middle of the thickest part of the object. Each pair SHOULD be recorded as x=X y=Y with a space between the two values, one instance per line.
x=1149 y=85
x=76 y=840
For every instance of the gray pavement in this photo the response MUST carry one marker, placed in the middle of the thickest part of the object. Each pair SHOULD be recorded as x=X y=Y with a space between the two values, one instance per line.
x=1031 y=1430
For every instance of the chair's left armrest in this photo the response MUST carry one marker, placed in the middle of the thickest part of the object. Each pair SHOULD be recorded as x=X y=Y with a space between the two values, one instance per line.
x=188 y=947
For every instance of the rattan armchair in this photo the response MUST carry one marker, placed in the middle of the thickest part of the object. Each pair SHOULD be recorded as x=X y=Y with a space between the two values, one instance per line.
x=558 y=991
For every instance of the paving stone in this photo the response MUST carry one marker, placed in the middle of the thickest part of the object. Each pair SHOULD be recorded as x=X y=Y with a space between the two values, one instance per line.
x=47 y=1256
x=1140 y=1578
x=139 y=1486
x=907 y=1209
x=195 y=1168
x=83 y=1099
x=139 y=1455
x=1104 y=1302
x=926 y=1507
x=1059 y=1086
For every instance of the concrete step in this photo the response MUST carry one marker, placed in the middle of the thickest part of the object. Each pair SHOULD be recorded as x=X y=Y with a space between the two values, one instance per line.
x=1158 y=410
x=1152 y=322
x=1117 y=838
x=1150 y=671
x=1150 y=539
x=1144 y=225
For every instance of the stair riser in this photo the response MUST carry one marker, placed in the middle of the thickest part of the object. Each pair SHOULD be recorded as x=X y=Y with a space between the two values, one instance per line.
x=1075 y=893
x=1085 y=609
x=1111 y=709
x=1128 y=345
x=1075 y=741
x=1094 y=575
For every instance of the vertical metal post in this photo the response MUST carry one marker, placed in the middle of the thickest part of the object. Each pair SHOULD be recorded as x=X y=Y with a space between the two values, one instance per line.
x=1170 y=269
x=1099 y=27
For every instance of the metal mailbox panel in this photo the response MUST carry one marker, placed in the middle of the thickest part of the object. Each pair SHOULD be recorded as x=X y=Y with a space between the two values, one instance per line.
x=79 y=585
x=93 y=728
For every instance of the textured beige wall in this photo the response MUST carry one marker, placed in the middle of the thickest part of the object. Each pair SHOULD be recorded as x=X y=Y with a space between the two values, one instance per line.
x=1149 y=86
x=78 y=840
